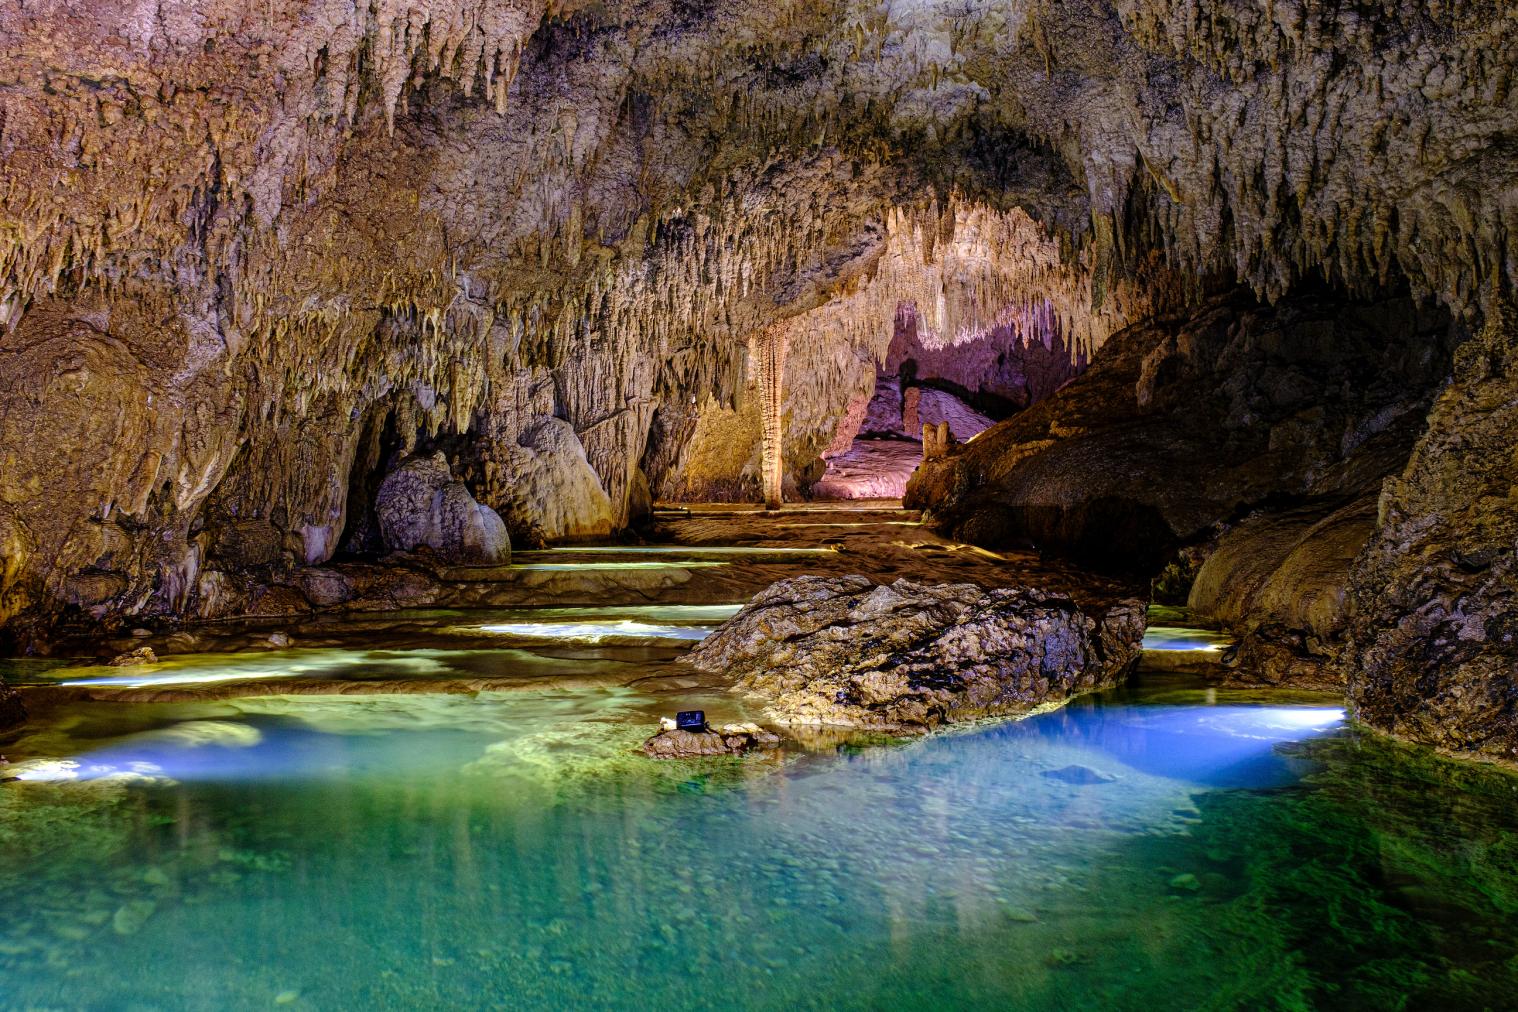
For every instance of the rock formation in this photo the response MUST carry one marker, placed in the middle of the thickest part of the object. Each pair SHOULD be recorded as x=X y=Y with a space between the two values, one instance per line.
x=1433 y=623
x=1278 y=581
x=420 y=505
x=842 y=651
x=1186 y=422
x=730 y=739
x=543 y=484
x=1257 y=435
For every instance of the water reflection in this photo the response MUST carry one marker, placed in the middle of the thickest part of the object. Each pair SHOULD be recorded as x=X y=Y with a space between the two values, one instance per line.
x=1185 y=639
x=694 y=551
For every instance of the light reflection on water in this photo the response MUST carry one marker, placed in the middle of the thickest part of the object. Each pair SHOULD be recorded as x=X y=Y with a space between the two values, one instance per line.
x=595 y=632
x=570 y=567
x=1185 y=639
x=598 y=625
x=611 y=627
x=555 y=866
x=695 y=551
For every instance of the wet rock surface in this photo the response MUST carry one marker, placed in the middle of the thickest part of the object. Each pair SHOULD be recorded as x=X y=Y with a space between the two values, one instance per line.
x=910 y=657
x=730 y=739
x=1278 y=582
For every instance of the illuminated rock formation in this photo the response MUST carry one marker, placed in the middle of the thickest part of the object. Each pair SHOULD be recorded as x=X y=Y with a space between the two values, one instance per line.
x=841 y=651
x=420 y=505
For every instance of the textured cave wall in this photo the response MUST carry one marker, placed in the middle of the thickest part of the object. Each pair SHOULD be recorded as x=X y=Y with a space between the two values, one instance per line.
x=231 y=235
x=1433 y=620
x=1003 y=369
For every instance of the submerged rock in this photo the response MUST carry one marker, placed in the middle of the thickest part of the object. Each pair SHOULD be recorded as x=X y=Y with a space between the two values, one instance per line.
x=419 y=504
x=131 y=916
x=142 y=655
x=909 y=657
x=1080 y=775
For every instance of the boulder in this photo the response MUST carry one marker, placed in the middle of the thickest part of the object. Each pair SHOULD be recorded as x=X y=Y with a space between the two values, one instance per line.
x=1277 y=582
x=548 y=487
x=839 y=650
x=419 y=504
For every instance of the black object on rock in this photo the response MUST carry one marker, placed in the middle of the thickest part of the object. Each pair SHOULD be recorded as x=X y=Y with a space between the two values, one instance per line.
x=690 y=720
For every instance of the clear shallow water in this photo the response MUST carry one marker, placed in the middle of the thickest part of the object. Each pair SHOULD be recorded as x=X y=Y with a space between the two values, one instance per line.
x=519 y=643
x=1158 y=847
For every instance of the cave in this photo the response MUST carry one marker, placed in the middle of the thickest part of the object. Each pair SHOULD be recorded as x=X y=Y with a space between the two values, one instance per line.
x=948 y=503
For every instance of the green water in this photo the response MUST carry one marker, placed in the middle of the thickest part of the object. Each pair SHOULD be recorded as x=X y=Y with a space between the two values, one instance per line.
x=1162 y=846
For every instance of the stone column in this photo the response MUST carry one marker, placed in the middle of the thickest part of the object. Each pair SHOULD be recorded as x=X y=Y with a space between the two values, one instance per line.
x=769 y=356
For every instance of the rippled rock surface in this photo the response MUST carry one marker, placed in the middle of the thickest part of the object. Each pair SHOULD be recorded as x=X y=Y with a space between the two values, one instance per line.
x=911 y=656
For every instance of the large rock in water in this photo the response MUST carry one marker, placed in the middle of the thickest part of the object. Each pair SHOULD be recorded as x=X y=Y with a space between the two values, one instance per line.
x=420 y=504
x=909 y=657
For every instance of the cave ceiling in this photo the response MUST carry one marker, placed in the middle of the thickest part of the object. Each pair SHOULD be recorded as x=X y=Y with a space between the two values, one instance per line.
x=229 y=231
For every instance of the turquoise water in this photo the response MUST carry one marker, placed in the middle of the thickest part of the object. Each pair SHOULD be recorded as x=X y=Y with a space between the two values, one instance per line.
x=1161 y=846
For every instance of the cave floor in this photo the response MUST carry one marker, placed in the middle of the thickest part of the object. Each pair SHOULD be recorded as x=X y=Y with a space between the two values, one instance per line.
x=578 y=615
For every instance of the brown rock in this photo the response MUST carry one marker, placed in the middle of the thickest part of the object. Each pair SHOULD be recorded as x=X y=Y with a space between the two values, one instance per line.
x=420 y=505
x=142 y=655
x=1433 y=599
x=909 y=657
x=731 y=739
